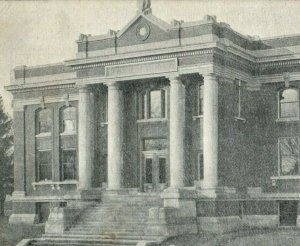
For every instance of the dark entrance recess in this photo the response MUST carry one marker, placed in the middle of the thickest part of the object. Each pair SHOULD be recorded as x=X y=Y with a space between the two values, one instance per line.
x=288 y=213
x=43 y=211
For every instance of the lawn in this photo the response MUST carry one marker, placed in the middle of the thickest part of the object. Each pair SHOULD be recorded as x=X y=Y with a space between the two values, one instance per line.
x=276 y=237
x=10 y=235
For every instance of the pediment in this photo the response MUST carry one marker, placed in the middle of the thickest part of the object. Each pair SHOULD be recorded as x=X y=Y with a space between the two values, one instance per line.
x=144 y=29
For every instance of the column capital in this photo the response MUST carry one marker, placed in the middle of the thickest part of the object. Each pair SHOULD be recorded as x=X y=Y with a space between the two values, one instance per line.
x=18 y=107
x=84 y=88
x=175 y=78
x=209 y=75
x=113 y=85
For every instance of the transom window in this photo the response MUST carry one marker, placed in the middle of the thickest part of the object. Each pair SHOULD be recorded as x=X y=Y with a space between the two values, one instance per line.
x=155 y=144
x=44 y=121
x=153 y=104
x=289 y=103
x=69 y=120
x=288 y=156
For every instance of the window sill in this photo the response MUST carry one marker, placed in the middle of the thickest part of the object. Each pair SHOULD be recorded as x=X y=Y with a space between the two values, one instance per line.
x=197 y=117
x=67 y=133
x=55 y=185
x=104 y=124
x=236 y=118
x=287 y=119
x=152 y=120
x=43 y=135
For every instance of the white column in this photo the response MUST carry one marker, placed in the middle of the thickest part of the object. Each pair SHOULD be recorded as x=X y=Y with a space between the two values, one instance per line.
x=177 y=132
x=210 y=131
x=85 y=138
x=115 y=136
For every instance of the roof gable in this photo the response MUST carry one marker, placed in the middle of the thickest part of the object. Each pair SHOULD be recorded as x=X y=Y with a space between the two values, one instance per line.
x=144 y=29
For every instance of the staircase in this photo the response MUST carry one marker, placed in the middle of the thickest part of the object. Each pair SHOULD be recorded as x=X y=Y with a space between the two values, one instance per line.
x=120 y=219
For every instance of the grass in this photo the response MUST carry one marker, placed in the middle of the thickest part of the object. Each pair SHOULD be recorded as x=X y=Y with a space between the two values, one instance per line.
x=10 y=235
x=275 y=237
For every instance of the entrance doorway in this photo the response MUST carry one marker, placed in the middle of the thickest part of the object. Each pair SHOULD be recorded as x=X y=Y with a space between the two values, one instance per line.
x=288 y=213
x=154 y=171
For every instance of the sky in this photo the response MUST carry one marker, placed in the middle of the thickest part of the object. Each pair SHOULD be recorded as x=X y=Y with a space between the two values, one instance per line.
x=41 y=32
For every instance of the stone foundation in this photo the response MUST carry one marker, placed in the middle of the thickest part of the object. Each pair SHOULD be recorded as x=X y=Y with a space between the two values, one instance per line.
x=261 y=221
x=219 y=224
x=23 y=219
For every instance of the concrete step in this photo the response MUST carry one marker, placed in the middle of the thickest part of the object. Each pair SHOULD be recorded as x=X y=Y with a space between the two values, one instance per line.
x=88 y=240
x=101 y=230
x=109 y=231
x=100 y=236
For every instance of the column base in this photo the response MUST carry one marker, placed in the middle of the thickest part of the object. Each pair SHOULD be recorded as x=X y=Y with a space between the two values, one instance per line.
x=90 y=194
x=178 y=216
x=184 y=199
x=217 y=192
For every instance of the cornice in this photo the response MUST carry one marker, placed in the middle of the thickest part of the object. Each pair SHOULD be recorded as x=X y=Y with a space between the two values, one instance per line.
x=146 y=58
x=19 y=104
x=281 y=63
x=39 y=87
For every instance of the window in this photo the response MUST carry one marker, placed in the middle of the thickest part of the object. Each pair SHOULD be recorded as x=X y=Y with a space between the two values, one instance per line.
x=68 y=164
x=44 y=165
x=289 y=103
x=200 y=99
x=153 y=104
x=200 y=166
x=144 y=105
x=288 y=156
x=240 y=93
x=69 y=120
x=162 y=170
x=44 y=121
x=148 y=170
x=104 y=108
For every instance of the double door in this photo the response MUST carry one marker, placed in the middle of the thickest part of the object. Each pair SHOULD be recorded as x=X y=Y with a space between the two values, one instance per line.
x=154 y=170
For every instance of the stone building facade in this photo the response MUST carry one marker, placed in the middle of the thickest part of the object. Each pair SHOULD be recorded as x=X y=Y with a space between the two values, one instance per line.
x=194 y=111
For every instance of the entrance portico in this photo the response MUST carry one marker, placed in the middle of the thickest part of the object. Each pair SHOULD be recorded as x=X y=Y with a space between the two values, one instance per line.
x=174 y=119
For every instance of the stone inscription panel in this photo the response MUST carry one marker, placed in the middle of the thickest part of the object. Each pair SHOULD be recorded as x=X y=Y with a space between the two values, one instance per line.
x=142 y=68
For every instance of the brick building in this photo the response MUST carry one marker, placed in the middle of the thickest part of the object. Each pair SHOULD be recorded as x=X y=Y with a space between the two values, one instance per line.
x=193 y=114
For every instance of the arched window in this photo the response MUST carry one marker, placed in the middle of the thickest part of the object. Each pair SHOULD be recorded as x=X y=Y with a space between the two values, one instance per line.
x=44 y=121
x=289 y=103
x=68 y=117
